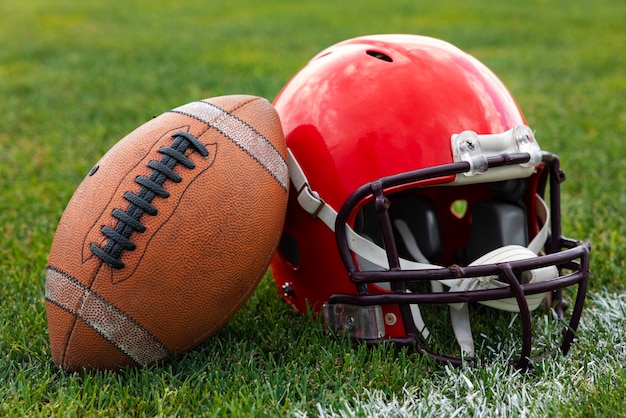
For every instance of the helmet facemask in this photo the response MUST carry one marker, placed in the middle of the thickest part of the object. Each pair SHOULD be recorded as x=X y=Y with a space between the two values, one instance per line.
x=494 y=263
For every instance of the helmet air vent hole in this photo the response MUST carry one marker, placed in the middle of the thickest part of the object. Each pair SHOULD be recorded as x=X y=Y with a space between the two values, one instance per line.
x=379 y=55
x=459 y=208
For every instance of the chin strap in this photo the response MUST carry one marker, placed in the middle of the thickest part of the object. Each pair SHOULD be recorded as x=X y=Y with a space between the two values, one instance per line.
x=459 y=312
x=311 y=202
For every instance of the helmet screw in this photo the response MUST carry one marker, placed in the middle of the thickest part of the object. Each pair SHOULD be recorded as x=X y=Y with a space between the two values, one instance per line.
x=390 y=319
x=349 y=322
x=287 y=290
x=470 y=144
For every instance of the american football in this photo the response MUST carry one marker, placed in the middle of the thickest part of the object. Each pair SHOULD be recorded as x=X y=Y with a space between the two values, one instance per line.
x=168 y=235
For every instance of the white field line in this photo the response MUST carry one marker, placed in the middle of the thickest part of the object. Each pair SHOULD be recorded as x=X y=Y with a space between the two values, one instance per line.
x=495 y=391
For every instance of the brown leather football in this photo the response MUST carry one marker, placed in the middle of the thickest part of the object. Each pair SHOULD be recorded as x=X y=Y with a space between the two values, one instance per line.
x=168 y=235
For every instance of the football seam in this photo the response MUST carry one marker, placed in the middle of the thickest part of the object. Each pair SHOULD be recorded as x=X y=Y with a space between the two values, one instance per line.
x=221 y=114
x=86 y=303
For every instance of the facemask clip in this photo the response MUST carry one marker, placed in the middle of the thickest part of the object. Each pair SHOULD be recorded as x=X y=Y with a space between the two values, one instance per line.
x=360 y=322
x=475 y=149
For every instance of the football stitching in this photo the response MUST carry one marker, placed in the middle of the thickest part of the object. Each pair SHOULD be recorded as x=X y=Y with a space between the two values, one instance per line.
x=129 y=221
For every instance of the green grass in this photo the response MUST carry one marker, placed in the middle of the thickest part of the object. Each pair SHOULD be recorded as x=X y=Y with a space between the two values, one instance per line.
x=77 y=76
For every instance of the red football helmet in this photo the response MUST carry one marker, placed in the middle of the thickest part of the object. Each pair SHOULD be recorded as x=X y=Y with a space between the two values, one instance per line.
x=407 y=155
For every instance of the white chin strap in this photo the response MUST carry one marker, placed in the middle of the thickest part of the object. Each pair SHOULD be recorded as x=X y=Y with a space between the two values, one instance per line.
x=310 y=201
x=459 y=312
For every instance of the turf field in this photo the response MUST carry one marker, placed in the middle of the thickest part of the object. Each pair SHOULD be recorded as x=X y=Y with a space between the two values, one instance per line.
x=75 y=77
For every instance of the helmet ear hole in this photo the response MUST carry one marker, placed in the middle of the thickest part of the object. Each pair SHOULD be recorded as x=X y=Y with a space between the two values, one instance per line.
x=289 y=250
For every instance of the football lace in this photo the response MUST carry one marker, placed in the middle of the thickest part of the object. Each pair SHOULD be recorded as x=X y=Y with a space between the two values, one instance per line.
x=129 y=221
